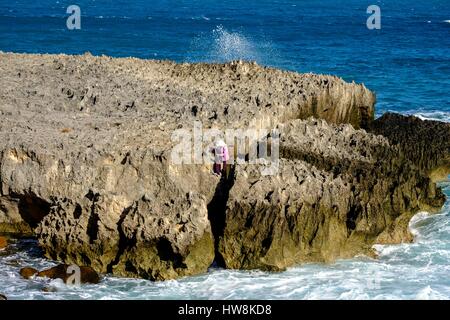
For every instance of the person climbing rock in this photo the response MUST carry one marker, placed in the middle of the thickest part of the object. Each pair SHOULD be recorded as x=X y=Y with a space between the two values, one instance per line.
x=221 y=157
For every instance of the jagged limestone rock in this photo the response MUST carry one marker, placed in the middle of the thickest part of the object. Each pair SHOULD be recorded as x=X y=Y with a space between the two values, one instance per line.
x=85 y=145
x=3 y=243
x=338 y=192
x=427 y=143
x=163 y=234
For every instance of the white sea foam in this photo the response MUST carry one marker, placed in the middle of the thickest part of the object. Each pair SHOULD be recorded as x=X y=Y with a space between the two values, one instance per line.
x=111 y=17
x=415 y=220
x=436 y=115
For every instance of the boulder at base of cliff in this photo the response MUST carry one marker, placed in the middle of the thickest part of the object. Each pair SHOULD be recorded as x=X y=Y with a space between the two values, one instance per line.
x=337 y=192
x=63 y=272
x=426 y=142
x=3 y=243
x=28 y=272
x=162 y=236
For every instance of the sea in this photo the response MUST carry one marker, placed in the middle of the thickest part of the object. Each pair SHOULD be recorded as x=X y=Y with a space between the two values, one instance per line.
x=405 y=60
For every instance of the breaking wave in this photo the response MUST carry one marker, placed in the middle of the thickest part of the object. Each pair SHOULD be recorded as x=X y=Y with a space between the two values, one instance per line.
x=436 y=115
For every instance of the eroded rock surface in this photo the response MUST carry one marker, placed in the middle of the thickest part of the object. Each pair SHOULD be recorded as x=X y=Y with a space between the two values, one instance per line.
x=427 y=143
x=85 y=146
x=339 y=191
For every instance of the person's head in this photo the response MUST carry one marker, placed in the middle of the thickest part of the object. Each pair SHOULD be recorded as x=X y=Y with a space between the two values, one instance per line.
x=221 y=143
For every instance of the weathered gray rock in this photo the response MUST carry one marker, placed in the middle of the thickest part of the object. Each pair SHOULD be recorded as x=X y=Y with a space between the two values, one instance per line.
x=338 y=192
x=85 y=146
x=85 y=143
x=160 y=236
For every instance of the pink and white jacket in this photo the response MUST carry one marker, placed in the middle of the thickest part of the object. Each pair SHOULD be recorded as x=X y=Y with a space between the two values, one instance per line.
x=222 y=154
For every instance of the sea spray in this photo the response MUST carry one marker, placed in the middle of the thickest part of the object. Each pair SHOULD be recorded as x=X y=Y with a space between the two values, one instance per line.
x=221 y=45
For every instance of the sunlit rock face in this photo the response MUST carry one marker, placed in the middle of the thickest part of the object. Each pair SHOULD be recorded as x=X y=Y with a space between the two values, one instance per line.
x=85 y=165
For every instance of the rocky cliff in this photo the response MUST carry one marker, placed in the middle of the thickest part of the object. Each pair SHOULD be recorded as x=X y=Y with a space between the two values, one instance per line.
x=338 y=192
x=425 y=142
x=85 y=165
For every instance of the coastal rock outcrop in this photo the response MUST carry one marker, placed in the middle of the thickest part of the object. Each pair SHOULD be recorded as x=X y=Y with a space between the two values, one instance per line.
x=338 y=192
x=85 y=165
x=427 y=143
x=163 y=235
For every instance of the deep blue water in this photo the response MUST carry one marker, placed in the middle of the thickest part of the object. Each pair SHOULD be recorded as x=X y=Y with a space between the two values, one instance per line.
x=407 y=63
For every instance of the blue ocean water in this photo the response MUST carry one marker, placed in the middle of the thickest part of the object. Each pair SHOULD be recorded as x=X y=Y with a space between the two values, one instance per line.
x=406 y=62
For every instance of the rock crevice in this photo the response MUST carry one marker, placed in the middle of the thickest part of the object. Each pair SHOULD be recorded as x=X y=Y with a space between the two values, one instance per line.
x=217 y=210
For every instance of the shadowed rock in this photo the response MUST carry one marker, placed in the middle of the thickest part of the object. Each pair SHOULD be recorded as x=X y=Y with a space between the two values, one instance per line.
x=338 y=192
x=427 y=143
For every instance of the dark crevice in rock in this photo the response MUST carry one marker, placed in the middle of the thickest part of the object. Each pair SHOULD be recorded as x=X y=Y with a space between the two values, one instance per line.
x=166 y=253
x=129 y=267
x=217 y=211
x=194 y=110
x=86 y=259
x=32 y=208
x=92 y=227
x=124 y=241
x=266 y=243
x=352 y=215
x=77 y=212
